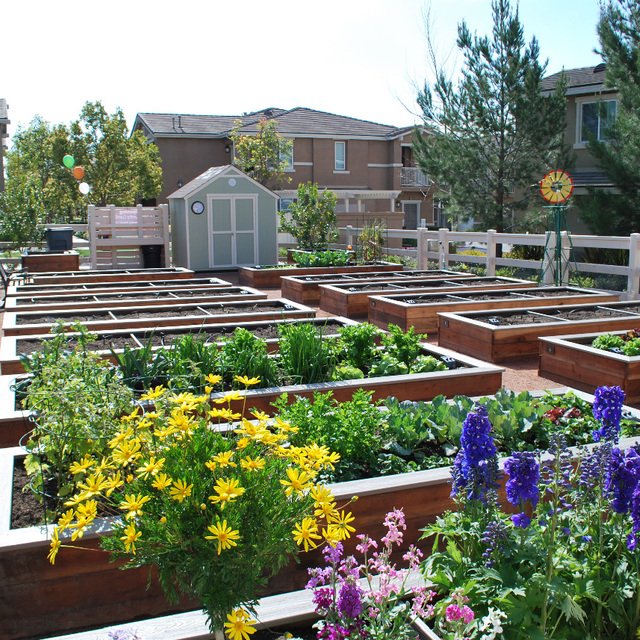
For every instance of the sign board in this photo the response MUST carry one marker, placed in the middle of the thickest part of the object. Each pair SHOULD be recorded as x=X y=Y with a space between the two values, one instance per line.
x=126 y=216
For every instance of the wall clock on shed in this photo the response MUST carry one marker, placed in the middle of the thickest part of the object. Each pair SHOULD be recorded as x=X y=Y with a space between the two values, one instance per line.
x=197 y=207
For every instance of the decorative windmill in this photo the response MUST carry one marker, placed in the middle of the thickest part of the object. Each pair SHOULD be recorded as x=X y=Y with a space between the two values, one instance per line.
x=556 y=188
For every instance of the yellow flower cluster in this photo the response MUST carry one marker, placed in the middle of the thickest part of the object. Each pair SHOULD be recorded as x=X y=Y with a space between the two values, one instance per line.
x=142 y=484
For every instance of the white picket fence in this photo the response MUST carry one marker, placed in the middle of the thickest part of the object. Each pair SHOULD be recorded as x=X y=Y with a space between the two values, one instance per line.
x=438 y=246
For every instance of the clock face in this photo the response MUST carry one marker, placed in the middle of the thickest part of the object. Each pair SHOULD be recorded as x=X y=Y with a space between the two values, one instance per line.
x=197 y=207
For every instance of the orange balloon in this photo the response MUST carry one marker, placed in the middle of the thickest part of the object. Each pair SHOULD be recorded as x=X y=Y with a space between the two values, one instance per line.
x=78 y=173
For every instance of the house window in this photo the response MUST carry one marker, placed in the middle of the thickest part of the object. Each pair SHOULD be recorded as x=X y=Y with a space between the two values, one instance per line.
x=286 y=157
x=340 y=156
x=596 y=119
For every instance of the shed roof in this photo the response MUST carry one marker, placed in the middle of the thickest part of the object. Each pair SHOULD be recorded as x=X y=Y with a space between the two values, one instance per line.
x=297 y=122
x=210 y=175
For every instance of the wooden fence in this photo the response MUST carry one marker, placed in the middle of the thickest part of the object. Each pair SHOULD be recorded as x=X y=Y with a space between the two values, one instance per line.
x=440 y=246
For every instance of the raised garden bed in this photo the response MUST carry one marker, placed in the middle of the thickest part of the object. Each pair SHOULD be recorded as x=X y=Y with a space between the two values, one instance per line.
x=498 y=336
x=268 y=277
x=37 y=322
x=84 y=590
x=27 y=290
x=467 y=376
x=570 y=359
x=352 y=300
x=306 y=289
x=109 y=275
x=421 y=310
x=145 y=297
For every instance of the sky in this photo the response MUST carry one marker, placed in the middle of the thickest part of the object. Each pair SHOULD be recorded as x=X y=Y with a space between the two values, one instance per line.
x=361 y=58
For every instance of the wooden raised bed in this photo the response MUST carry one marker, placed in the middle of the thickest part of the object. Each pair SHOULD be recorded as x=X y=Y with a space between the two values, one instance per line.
x=269 y=277
x=84 y=590
x=470 y=377
x=109 y=275
x=484 y=334
x=145 y=297
x=306 y=289
x=570 y=359
x=38 y=322
x=352 y=301
x=14 y=422
x=39 y=261
x=95 y=288
x=421 y=310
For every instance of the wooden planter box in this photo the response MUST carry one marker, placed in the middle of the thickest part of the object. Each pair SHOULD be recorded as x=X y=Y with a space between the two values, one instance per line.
x=139 y=298
x=51 y=261
x=269 y=277
x=14 y=423
x=470 y=377
x=352 y=301
x=306 y=289
x=109 y=275
x=421 y=310
x=570 y=359
x=84 y=590
x=41 y=290
x=473 y=333
x=37 y=322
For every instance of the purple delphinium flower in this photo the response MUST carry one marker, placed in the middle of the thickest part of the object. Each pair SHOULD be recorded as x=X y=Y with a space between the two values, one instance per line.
x=622 y=478
x=635 y=517
x=607 y=410
x=350 y=599
x=493 y=537
x=522 y=486
x=475 y=466
x=521 y=520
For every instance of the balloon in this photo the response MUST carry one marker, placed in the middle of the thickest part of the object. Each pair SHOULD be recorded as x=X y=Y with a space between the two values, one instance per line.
x=78 y=173
x=84 y=188
x=68 y=161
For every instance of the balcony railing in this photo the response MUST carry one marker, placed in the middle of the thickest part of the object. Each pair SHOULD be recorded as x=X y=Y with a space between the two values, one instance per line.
x=413 y=177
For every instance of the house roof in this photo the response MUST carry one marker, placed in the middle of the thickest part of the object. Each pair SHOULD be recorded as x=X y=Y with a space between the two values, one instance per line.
x=580 y=80
x=297 y=122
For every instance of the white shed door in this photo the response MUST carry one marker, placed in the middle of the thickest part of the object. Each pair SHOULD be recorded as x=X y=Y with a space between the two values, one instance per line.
x=232 y=224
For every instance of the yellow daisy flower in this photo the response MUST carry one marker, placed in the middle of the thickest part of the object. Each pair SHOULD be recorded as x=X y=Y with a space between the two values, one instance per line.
x=180 y=490
x=298 y=481
x=252 y=464
x=150 y=468
x=55 y=546
x=246 y=381
x=161 y=482
x=129 y=538
x=132 y=504
x=213 y=379
x=226 y=491
x=306 y=533
x=224 y=535
x=154 y=393
x=239 y=625
x=83 y=466
x=342 y=522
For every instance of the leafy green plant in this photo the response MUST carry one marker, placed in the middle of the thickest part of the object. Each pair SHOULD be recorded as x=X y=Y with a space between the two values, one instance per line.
x=388 y=365
x=372 y=241
x=78 y=399
x=189 y=360
x=328 y=258
x=357 y=344
x=142 y=367
x=403 y=345
x=427 y=364
x=608 y=341
x=305 y=356
x=244 y=354
x=354 y=429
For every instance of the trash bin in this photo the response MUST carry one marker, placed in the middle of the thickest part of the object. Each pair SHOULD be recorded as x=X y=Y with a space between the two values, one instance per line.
x=59 y=239
x=152 y=256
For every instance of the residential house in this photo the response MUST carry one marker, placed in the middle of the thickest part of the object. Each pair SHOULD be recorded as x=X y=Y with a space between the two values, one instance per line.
x=369 y=166
x=591 y=108
x=4 y=121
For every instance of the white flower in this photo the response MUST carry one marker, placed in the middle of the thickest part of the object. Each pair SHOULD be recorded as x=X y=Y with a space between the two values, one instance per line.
x=491 y=624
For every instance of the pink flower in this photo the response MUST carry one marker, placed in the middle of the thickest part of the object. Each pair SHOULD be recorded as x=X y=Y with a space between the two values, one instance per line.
x=453 y=613
x=467 y=614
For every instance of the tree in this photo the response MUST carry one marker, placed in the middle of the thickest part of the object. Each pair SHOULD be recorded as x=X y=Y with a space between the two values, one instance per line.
x=619 y=154
x=262 y=156
x=491 y=135
x=311 y=219
x=120 y=169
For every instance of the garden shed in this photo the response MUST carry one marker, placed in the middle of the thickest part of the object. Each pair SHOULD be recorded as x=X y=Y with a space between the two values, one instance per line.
x=223 y=219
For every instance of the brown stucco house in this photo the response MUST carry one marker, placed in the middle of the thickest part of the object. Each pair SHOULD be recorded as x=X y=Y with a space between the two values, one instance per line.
x=369 y=166
x=4 y=121
x=591 y=107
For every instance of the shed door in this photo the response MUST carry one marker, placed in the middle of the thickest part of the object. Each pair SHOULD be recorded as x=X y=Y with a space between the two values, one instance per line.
x=232 y=224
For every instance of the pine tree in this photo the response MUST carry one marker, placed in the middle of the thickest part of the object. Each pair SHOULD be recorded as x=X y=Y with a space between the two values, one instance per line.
x=492 y=135
x=618 y=212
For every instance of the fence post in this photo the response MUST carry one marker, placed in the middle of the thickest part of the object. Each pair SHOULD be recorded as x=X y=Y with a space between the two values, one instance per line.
x=422 y=247
x=491 y=252
x=565 y=258
x=548 y=268
x=633 y=278
x=443 y=248
x=91 y=219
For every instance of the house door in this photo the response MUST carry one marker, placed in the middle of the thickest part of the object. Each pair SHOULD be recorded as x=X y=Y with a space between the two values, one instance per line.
x=232 y=221
x=411 y=212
